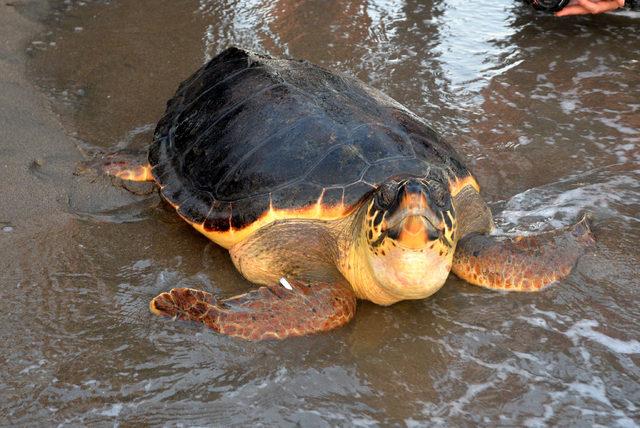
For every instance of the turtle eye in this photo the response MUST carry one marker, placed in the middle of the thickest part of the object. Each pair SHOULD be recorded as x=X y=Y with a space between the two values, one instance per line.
x=386 y=194
x=438 y=194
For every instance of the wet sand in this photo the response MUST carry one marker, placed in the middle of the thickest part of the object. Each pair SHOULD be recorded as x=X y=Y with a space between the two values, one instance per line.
x=42 y=202
x=546 y=129
x=34 y=145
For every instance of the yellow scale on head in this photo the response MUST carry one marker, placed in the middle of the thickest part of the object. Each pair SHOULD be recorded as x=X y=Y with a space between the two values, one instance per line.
x=374 y=231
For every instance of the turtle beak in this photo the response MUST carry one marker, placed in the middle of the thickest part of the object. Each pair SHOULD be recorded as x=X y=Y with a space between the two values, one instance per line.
x=414 y=223
x=416 y=232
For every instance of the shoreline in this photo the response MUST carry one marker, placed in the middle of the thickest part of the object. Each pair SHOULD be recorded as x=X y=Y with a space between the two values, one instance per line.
x=37 y=154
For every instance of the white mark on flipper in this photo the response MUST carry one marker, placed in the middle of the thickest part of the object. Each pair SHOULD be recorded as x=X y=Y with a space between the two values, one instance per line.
x=286 y=284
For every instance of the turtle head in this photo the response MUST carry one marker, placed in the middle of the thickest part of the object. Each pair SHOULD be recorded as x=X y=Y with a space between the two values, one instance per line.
x=410 y=235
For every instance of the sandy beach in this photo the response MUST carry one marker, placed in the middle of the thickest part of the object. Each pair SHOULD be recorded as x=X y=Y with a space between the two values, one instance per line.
x=37 y=156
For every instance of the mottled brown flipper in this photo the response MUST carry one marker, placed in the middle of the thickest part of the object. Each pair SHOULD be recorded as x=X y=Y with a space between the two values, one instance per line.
x=264 y=313
x=527 y=263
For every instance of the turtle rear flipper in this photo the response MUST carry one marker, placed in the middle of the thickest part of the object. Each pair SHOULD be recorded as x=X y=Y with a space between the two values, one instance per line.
x=265 y=313
x=129 y=172
x=522 y=263
x=124 y=165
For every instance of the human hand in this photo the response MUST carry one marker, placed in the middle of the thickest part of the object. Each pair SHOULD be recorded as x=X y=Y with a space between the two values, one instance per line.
x=583 y=7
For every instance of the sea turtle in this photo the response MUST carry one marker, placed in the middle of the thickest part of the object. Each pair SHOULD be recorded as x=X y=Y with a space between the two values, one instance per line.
x=324 y=191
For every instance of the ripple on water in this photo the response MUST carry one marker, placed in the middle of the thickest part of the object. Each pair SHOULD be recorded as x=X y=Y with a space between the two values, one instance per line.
x=607 y=192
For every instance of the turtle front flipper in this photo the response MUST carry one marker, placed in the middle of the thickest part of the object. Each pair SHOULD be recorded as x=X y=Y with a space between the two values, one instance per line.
x=265 y=313
x=522 y=263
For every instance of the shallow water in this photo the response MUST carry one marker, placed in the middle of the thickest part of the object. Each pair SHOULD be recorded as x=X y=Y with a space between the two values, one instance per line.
x=547 y=112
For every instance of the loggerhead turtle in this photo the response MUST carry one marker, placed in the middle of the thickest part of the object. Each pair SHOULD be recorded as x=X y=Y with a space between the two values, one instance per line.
x=325 y=190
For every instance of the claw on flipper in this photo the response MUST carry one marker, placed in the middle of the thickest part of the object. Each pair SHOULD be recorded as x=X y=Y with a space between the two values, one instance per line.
x=182 y=303
x=522 y=263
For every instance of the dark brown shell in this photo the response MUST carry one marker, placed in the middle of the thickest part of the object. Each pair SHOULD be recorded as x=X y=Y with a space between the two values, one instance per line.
x=247 y=134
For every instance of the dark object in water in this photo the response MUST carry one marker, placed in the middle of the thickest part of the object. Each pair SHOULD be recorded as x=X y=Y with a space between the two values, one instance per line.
x=549 y=5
